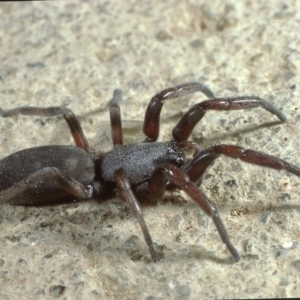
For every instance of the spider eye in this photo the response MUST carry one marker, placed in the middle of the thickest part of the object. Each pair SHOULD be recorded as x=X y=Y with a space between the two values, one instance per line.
x=180 y=160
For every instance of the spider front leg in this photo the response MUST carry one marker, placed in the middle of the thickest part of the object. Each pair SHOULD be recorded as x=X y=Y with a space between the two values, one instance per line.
x=180 y=179
x=183 y=129
x=70 y=118
x=196 y=167
x=125 y=192
x=151 y=122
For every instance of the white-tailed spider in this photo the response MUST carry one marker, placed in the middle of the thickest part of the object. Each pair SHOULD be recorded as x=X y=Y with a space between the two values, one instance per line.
x=51 y=173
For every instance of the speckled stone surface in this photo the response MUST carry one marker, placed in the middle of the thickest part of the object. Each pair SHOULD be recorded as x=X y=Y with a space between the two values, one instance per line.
x=77 y=53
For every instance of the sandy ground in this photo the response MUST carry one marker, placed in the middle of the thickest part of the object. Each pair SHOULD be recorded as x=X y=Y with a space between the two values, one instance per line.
x=77 y=53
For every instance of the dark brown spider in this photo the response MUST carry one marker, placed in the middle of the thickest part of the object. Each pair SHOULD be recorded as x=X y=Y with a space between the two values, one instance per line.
x=51 y=173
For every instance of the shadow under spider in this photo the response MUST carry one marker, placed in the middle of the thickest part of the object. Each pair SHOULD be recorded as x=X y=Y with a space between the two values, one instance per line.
x=234 y=134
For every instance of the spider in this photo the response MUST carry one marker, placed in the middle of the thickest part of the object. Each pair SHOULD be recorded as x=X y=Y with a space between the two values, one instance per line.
x=54 y=172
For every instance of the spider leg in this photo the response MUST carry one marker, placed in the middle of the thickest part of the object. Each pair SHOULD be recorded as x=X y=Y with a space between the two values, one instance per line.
x=28 y=186
x=68 y=115
x=203 y=159
x=185 y=126
x=115 y=118
x=180 y=179
x=125 y=192
x=157 y=184
x=153 y=189
x=151 y=121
